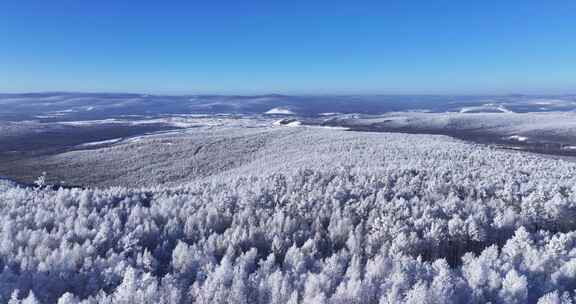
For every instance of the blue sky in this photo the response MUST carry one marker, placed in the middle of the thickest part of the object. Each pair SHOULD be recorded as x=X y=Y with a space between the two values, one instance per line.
x=298 y=46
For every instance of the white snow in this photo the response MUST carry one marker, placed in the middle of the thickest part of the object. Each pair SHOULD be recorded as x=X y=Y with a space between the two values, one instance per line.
x=279 y=111
x=530 y=125
x=294 y=124
x=102 y=142
x=485 y=108
x=551 y=102
x=45 y=116
x=80 y=123
x=518 y=138
x=329 y=114
x=351 y=211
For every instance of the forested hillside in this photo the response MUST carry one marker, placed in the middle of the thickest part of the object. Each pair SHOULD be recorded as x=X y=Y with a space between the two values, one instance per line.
x=307 y=215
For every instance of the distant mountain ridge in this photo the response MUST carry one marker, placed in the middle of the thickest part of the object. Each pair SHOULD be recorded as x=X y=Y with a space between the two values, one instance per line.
x=68 y=106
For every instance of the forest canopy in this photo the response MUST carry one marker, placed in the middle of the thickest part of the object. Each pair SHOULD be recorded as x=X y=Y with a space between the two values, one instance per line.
x=313 y=216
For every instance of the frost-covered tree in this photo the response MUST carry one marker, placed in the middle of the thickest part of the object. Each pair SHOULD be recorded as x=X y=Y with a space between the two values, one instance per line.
x=372 y=219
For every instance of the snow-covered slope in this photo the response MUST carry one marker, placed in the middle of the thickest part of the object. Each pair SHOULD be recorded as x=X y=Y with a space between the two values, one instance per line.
x=294 y=215
x=551 y=127
x=280 y=111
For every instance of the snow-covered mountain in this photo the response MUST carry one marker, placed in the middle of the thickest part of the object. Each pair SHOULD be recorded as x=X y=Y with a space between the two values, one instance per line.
x=91 y=106
x=274 y=214
x=283 y=199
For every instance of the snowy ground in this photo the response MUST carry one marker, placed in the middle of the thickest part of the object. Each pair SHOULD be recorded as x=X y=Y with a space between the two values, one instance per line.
x=81 y=152
x=557 y=124
x=549 y=132
x=279 y=214
x=287 y=208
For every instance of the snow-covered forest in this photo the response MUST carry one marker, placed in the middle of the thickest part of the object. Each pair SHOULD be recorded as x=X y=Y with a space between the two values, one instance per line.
x=308 y=215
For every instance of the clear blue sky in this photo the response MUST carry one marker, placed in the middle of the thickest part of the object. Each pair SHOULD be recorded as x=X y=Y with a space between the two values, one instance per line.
x=296 y=46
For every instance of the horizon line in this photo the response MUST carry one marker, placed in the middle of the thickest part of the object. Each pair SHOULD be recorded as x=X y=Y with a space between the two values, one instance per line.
x=176 y=94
